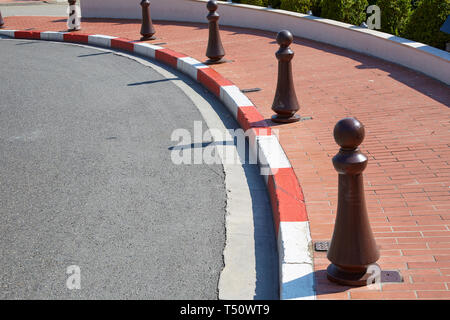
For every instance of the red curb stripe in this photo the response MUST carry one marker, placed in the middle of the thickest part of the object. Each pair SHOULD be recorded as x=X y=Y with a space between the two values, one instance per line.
x=76 y=37
x=286 y=197
x=249 y=117
x=122 y=44
x=262 y=131
x=27 y=35
x=212 y=80
x=168 y=56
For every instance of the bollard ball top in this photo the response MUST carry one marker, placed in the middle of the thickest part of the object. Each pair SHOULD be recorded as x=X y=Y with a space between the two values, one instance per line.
x=349 y=133
x=212 y=5
x=284 y=38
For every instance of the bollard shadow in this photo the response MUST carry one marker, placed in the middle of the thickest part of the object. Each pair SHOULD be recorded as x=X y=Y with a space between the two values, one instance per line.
x=27 y=43
x=93 y=54
x=201 y=145
x=270 y=123
x=315 y=283
x=150 y=82
x=324 y=287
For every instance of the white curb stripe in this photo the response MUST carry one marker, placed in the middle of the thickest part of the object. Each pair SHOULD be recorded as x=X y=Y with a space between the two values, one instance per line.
x=8 y=33
x=270 y=152
x=146 y=49
x=233 y=98
x=297 y=282
x=52 y=36
x=100 y=40
x=296 y=261
x=294 y=237
x=190 y=66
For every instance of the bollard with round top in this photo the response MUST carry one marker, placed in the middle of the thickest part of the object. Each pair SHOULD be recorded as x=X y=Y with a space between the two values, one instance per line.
x=353 y=247
x=285 y=103
x=214 y=51
x=74 y=19
x=147 y=29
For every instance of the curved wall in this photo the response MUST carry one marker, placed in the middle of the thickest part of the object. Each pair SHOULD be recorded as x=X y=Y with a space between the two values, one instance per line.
x=417 y=56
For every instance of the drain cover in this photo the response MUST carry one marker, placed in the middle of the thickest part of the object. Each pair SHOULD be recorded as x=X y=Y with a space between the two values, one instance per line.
x=321 y=245
x=391 y=276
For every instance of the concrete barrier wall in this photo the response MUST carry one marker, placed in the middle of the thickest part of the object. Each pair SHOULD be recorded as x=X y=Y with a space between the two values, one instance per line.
x=417 y=56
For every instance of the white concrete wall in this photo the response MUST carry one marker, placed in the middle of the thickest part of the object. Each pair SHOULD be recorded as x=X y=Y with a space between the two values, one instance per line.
x=417 y=56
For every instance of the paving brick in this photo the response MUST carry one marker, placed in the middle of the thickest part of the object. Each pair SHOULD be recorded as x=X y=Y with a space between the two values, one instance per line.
x=388 y=295
x=413 y=286
x=430 y=278
x=442 y=294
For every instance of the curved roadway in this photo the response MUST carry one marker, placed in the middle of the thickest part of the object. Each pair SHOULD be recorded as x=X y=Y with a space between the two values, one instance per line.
x=86 y=179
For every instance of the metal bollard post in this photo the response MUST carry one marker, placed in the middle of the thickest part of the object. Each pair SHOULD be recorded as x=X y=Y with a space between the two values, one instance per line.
x=285 y=103
x=74 y=19
x=147 y=29
x=215 y=51
x=353 y=248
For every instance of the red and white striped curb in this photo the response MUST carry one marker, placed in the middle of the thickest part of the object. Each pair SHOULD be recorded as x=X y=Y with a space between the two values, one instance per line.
x=286 y=196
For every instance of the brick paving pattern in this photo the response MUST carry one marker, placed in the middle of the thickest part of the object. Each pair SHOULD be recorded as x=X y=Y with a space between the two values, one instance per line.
x=406 y=116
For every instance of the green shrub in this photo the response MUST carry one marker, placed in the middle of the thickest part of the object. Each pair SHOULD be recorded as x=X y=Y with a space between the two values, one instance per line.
x=394 y=15
x=274 y=3
x=301 y=6
x=317 y=7
x=414 y=4
x=348 y=11
x=424 y=23
x=261 y=3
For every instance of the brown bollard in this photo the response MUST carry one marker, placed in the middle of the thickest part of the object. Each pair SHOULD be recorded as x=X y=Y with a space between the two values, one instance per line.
x=353 y=247
x=1 y=20
x=147 y=29
x=215 y=51
x=285 y=103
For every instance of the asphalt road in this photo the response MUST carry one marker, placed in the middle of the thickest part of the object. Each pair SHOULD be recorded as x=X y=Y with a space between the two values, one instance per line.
x=86 y=179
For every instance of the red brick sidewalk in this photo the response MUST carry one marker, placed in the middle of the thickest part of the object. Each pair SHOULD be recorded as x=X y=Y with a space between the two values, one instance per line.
x=406 y=116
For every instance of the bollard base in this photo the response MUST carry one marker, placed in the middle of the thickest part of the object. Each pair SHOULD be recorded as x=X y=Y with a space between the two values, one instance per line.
x=216 y=61
x=145 y=38
x=342 y=277
x=282 y=119
x=74 y=29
